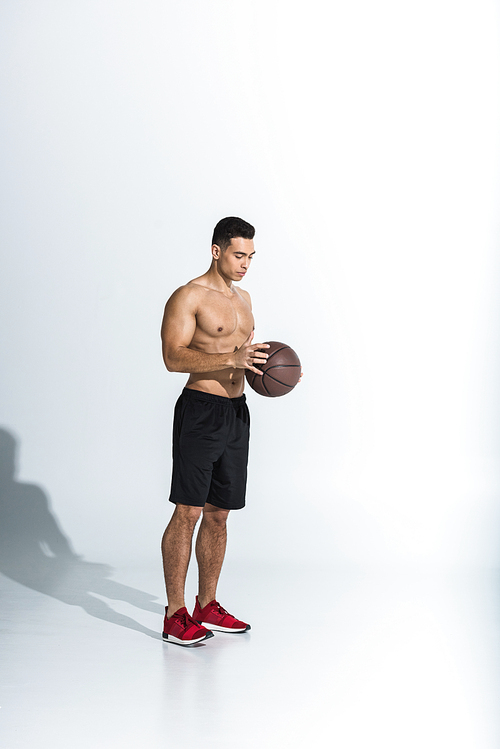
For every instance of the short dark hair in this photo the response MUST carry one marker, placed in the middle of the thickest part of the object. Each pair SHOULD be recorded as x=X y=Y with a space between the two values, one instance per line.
x=231 y=227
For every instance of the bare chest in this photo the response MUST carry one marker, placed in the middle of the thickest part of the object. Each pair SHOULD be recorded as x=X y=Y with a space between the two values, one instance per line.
x=220 y=319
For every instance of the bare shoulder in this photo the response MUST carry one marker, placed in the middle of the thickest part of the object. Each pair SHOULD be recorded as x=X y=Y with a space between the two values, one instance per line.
x=179 y=317
x=246 y=297
x=185 y=296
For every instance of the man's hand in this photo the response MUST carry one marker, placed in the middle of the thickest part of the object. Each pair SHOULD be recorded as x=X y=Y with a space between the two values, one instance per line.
x=248 y=355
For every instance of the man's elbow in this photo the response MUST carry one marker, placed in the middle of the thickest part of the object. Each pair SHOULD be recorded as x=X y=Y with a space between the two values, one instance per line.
x=172 y=362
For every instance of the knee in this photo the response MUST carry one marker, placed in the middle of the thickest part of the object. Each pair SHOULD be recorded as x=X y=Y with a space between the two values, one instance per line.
x=215 y=518
x=187 y=515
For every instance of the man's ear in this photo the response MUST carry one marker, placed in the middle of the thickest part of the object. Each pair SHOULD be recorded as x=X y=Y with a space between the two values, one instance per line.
x=216 y=251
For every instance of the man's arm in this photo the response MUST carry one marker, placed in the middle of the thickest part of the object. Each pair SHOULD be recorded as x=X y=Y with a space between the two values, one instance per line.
x=177 y=331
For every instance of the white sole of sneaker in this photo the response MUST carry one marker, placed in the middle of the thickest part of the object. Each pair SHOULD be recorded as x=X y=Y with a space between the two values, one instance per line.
x=218 y=628
x=184 y=643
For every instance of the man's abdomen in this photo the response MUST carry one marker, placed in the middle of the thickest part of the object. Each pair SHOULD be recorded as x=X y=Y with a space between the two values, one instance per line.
x=228 y=383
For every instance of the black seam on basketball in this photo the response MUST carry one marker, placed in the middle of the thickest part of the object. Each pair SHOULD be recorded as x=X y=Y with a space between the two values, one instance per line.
x=283 y=384
x=281 y=366
x=264 y=384
x=275 y=352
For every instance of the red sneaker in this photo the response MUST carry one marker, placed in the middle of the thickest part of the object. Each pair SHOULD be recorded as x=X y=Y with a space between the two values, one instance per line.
x=217 y=618
x=183 y=630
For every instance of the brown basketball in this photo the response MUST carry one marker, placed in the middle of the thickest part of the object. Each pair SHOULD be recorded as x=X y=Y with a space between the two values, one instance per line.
x=281 y=371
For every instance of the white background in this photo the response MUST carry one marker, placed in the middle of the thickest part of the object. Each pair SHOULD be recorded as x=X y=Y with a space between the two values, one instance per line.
x=361 y=139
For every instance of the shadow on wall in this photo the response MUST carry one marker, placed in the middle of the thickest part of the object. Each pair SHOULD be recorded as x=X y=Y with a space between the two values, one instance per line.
x=36 y=553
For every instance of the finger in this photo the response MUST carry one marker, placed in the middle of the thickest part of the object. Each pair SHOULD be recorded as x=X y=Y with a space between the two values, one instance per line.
x=259 y=355
x=253 y=369
x=252 y=351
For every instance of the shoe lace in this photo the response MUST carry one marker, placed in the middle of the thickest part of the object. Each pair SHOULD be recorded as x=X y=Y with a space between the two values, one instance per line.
x=185 y=619
x=221 y=610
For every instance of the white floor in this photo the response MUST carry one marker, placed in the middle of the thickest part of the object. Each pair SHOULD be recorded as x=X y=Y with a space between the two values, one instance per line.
x=344 y=659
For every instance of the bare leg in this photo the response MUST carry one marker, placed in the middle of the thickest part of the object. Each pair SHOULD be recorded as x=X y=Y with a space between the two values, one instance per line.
x=210 y=550
x=176 y=550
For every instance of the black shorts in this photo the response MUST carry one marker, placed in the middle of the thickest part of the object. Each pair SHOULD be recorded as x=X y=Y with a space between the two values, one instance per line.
x=210 y=450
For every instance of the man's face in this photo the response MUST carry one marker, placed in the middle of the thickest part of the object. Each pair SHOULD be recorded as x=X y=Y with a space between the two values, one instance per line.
x=235 y=260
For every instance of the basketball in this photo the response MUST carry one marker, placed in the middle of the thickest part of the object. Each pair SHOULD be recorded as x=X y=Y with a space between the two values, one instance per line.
x=281 y=371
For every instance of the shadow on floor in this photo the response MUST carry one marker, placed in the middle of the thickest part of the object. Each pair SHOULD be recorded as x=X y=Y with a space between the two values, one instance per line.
x=35 y=552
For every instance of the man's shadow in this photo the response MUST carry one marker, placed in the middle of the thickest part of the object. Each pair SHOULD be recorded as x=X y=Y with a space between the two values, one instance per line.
x=35 y=552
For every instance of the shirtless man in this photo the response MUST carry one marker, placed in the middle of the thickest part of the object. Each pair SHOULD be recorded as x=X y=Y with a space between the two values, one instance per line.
x=207 y=332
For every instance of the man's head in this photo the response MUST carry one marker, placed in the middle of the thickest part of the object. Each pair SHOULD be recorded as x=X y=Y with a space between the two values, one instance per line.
x=232 y=248
x=229 y=228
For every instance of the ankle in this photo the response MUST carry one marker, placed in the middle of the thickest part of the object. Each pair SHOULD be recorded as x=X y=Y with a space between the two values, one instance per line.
x=172 y=609
x=205 y=600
